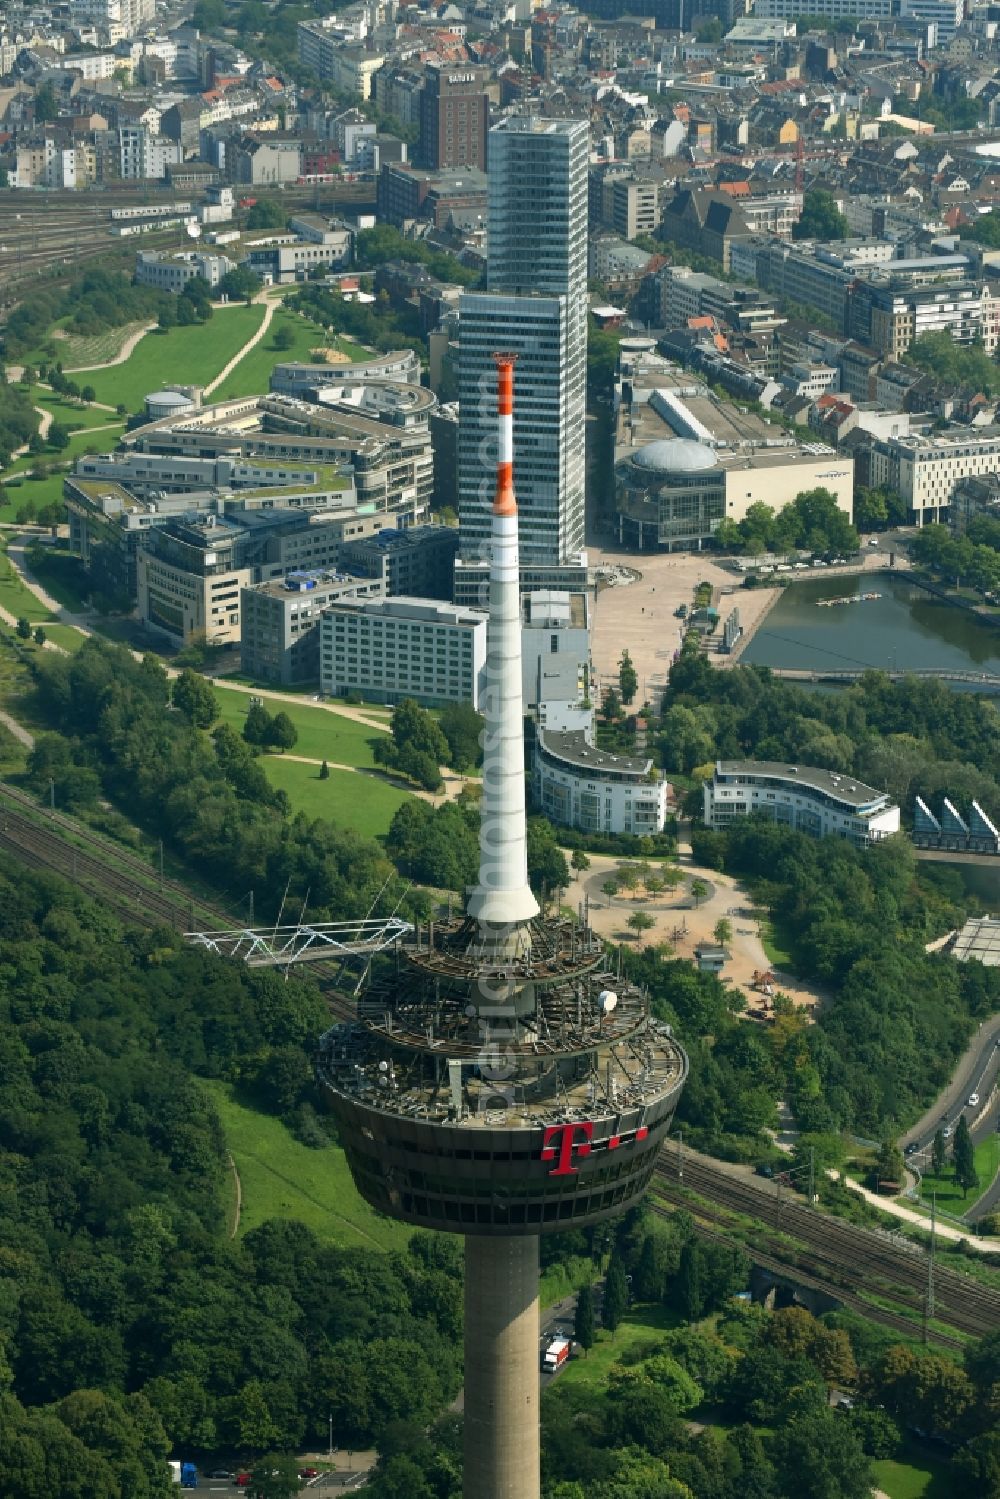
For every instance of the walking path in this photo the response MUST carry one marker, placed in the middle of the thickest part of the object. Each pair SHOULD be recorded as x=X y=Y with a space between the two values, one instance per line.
x=45 y=422
x=897 y=1210
x=20 y=733
x=454 y=784
x=269 y=305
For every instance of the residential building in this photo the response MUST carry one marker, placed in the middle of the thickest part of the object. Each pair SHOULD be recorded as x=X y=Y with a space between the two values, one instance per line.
x=927 y=470
x=579 y=786
x=821 y=803
x=454 y=118
x=831 y=10
x=266 y=160
x=634 y=208
x=280 y=631
x=707 y=222
x=391 y=649
x=451 y=195
x=944 y=15
x=535 y=306
x=143 y=153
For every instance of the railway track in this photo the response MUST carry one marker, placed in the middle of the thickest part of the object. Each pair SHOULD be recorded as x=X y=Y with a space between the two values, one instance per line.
x=827 y=1254
x=841 y=1257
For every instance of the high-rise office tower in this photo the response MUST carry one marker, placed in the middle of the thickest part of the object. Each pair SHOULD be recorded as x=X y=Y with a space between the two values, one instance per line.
x=536 y=307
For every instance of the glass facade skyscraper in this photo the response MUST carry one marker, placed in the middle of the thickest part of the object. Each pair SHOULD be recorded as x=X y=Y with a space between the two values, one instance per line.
x=535 y=306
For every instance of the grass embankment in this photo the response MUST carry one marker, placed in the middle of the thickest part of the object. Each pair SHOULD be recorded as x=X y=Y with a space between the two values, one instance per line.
x=252 y=376
x=184 y=356
x=348 y=798
x=75 y=351
x=15 y=597
x=279 y=1178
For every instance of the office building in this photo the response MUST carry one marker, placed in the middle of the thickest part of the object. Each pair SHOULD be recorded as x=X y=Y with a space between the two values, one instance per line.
x=535 y=307
x=173 y=272
x=927 y=470
x=821 y=803
x=418 y=561
x=391 y=649
x=454 y=117
x=280 y=634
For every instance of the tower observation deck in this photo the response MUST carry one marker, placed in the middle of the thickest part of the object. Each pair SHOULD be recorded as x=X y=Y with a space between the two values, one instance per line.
x=500 y=1081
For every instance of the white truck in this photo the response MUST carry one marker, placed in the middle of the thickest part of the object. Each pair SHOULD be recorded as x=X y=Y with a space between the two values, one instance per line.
x=555 y=1354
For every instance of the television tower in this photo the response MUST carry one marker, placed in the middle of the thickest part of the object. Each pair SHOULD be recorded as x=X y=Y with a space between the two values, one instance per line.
x=500 y=1081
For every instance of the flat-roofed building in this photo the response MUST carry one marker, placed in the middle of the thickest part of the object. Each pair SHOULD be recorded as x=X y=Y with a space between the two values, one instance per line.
x=391 y=649
x=280 y=625
x=822 y=803
x=580 y=786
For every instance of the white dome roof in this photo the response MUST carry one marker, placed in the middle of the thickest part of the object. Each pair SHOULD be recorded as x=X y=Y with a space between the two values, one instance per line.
x=675 y=455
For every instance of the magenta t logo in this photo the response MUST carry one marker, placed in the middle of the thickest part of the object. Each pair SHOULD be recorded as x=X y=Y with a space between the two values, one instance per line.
x=570 y=1137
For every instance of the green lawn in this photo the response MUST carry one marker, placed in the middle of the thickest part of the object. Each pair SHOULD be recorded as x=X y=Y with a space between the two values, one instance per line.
x=323 y=735
x=75 y=351
x=279 y=1178
x=776 y=947
x=184 y=356
x=641 y=1325
x=950 y=1196
x=921 y=1476
x=68 y=411
x=252 y=375
x=362 y=802
x=64 y=636
x=101 y=440
x=15 y=597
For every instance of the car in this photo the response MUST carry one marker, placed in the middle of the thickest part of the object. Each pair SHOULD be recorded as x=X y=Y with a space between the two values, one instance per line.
x=308 y=1472
x=220 y=1473
x=764 y=1169
x=680 y=611
x=911 y=1148
x=946 y=1133
x=873 y=541
x=973 y=1100
x=243 y=1479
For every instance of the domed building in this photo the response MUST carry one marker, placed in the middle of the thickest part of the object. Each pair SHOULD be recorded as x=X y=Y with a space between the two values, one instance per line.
x=669 y=495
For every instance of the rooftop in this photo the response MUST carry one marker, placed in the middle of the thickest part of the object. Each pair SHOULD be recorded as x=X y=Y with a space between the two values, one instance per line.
x=572 y=746
x=979 y=939
x=842 y=788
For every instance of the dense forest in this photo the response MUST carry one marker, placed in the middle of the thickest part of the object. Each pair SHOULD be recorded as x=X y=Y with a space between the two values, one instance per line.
x=128 y=1321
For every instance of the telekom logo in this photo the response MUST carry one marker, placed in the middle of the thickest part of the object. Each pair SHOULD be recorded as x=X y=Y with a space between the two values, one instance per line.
x=561 y=1140
x=566 y=1135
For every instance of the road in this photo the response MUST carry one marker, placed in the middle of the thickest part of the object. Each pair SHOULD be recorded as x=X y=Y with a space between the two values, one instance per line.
x=977 y=1074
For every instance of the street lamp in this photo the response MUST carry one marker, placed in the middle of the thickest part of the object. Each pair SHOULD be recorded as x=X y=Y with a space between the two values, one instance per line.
x=331 y=1437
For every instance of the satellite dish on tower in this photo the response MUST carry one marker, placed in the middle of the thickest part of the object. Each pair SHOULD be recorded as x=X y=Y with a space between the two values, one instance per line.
x=192 y=230
x=606 y=1001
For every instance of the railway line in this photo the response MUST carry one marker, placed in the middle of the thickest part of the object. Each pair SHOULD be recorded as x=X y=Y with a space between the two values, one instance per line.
x=817 y=1250
x=840 y=1257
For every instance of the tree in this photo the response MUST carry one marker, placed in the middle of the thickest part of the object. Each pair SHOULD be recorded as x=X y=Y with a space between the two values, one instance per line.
x=939 y=1153
x=819 y=1453
x=266 y=214
x=59 y=436
x=284 y=337
x=39 y=635
x=46 y=104
x=723 y=931
x=688 y=1294
x=462 y=728
x=615 y=1300
x=820 y=218
x=240 y=282
x=167 y=318
x=257 y=728
x=964 y=1158
x=275 y=1476
x=699 y=889
x=579 y=861
x=628 y=877
x=88 y=394
x=282 y=734
x=889 y=1165
x=24 y=629
x=628 y=678
x=193 y=696
x=610 y=888
x=611 y=705
x=640 y=922
x=583 y=1327
x=324 y=772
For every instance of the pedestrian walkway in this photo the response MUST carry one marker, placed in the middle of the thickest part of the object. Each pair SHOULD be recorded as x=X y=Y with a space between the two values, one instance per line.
x=897 y=1210
x=251 y=342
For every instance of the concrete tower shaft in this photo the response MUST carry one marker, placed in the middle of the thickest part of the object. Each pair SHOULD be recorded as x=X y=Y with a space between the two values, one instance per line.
x=502 y=902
